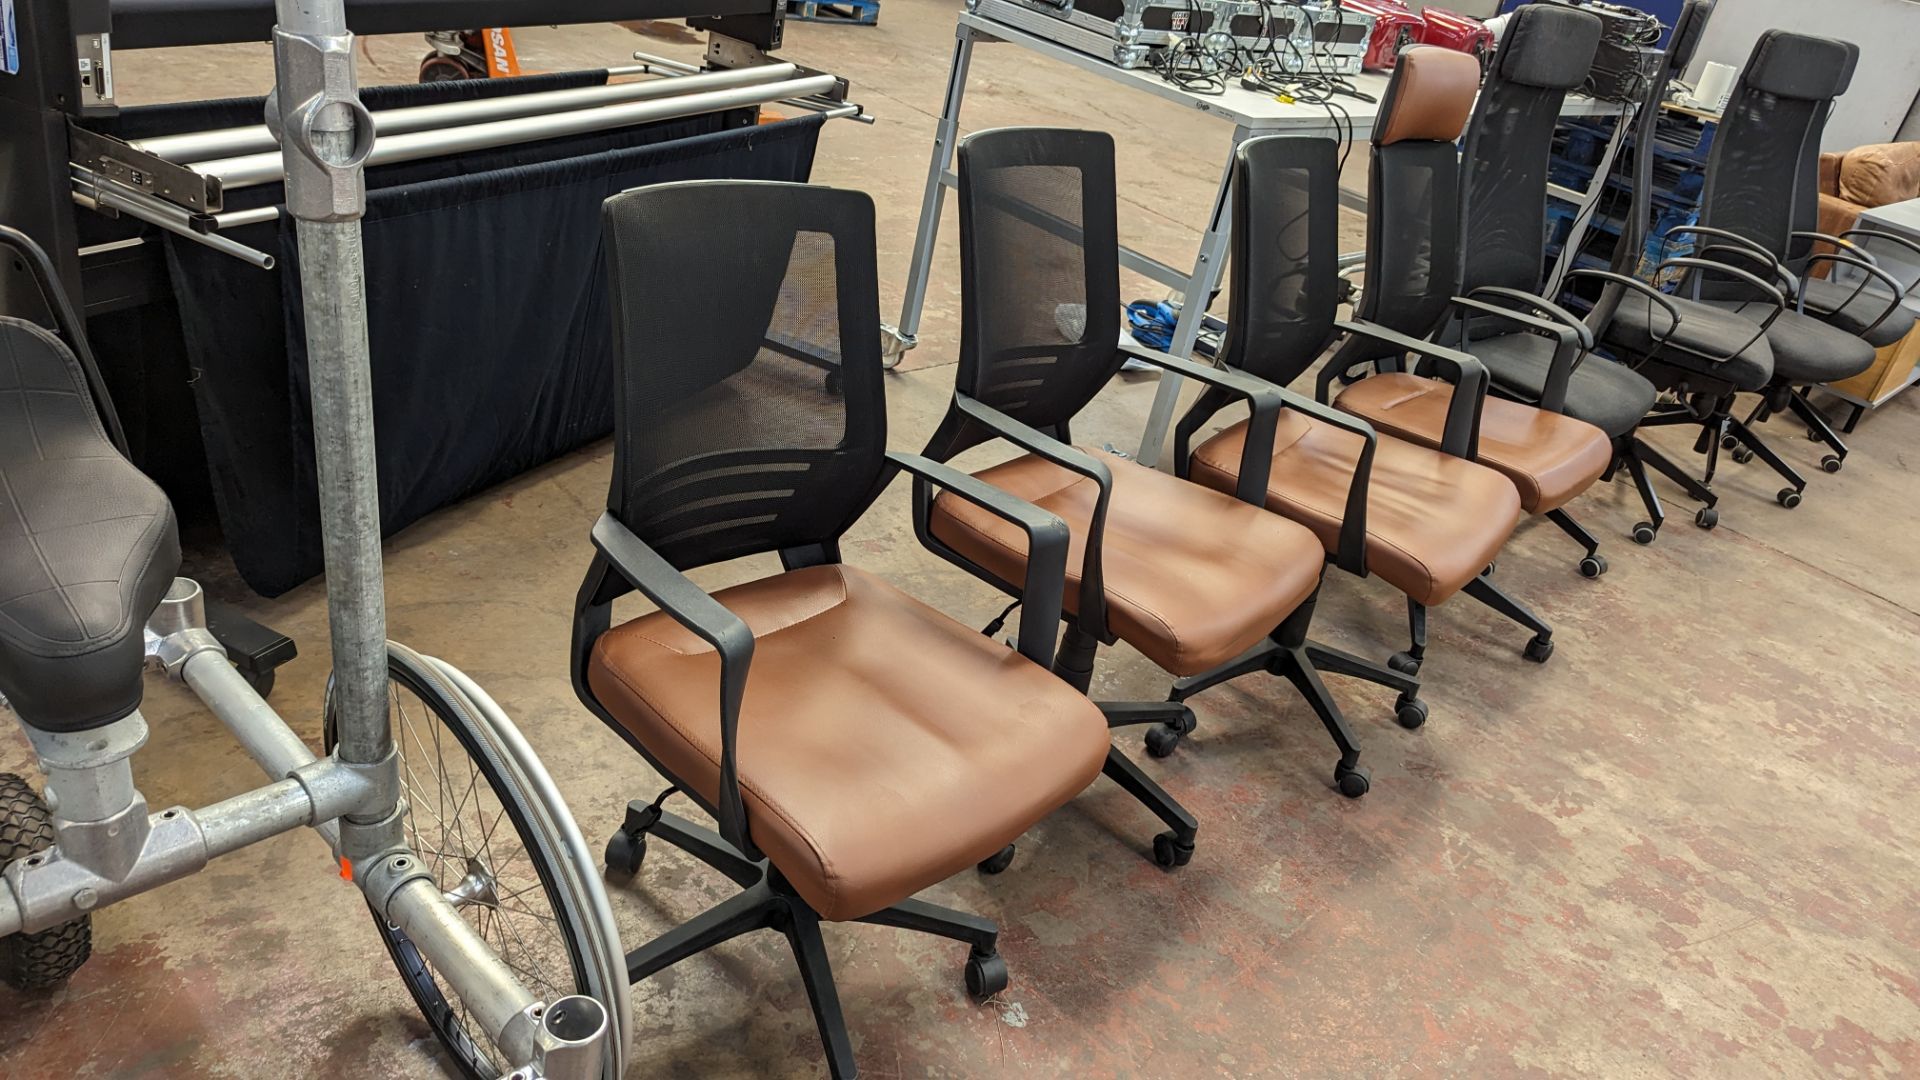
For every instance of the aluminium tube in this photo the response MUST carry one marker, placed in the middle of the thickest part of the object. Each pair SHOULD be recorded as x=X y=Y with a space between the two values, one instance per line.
x=231 y=142
x=250 y=169
x=261 y=733
x=163 y=215
x=485 y=984
x=253 y=816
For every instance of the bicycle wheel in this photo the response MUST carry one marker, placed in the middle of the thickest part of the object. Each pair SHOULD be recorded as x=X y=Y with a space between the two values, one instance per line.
x=487 y=833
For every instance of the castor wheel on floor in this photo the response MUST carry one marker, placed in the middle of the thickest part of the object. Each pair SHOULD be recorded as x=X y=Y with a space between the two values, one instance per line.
x=986 y=975
x=1644 y=532
x=1353 y=780
x=1707 y=518
x=44 y=960
x=1490 y=568
x=1409 y=712
x=1169 y=852
x=1594 y=565
x=833 y=381
x=262 y=681
x=1830 y=463
x=1787 y=497
x=997 y=861
x=1815 y=437
x=1539 y=649
x=625 y=852
x=1404 y=663
x=1163 y=739
x=1742 y=456
x=1728 y=442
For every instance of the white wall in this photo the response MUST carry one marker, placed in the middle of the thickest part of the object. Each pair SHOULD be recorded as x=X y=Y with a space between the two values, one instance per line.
x=1884 y=86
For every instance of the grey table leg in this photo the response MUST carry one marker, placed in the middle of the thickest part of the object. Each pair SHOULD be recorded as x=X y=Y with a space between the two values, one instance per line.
x=946 y=134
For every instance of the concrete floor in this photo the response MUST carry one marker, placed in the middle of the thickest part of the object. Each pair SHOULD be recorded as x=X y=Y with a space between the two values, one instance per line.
x=1684 y=847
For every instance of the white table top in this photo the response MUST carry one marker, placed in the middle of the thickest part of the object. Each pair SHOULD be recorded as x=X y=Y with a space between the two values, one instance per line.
x=1245 y=108
x=1903 y=217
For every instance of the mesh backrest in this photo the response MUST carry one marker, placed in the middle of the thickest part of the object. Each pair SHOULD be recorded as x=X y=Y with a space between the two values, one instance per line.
x=1413 y=236
x=1040 y=271
x=749 y=414
x=1509 y=143
x=1285 y=292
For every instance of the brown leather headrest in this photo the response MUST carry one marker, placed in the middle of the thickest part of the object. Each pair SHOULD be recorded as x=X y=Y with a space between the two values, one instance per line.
x=1430 y=96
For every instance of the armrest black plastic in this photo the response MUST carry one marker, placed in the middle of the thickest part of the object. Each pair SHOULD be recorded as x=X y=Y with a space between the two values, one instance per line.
x=1723 y=234
x=1352 y=553
x=1461 y=437
x=1538 y=303
x=1891 y=238
x=1261 y=396
x=1092 y=609
x=1781 y=274
x=1840 y=242
x=1047 y=543
x=1567 y=349
x=1651 y=293
x=1870 y=269
x=659 y=581
x=1709 y=266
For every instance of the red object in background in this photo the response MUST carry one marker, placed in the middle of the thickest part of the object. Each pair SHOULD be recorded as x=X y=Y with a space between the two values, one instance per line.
x=1452 y=30
x=1396 y=26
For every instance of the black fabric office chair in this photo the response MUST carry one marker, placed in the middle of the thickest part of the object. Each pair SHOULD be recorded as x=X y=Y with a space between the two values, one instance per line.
x=1412 y=279
x=1428 y=521
x=854 y=745
x=1763 y=192
x=1195 y=579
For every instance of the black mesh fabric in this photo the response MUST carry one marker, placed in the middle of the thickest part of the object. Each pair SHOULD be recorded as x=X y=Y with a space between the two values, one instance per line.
x=1509 y=144
x=1285 y=293
x=1413 y=236
x=1039 y=276
x=749 y=411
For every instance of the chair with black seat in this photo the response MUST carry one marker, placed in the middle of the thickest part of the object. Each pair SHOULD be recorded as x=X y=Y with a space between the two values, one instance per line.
x=1191 y=577
x=854 y=745
x=1428 y=521
x=1412 y=278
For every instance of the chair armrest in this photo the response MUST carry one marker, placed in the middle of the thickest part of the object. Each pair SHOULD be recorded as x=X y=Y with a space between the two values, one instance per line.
x=1839 y=243
x=1721 y=234
x=689 y=605
x=1651 y=293
x=1539 y=304
x=1783 y=278
x=1091 y=612
x=1262 y=397
x=1712 y=267
x=1568 y=351
x=1891 y=238
x=1352 y=553
x=1871 y=270
x=1461 y=437
x=1047 y=543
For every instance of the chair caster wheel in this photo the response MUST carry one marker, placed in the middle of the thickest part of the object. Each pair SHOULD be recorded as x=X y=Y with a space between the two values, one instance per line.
x=1353 y=780
x=832 y=382
x=1788 y=498
x=997 y=861
x=1644 y=532
x=1728 y=442
x=1742 y=456
x=1490 y=568
x=986 y=975
x=1539 y=649
x=1707 y=518
x=1409 y=713
x=262 y=682
x=1404 y=663
x=1169 y=852
x=1815 y=437
x=1830 y=463
x=1594 y=565
x=625 y=852
x=1163 y=739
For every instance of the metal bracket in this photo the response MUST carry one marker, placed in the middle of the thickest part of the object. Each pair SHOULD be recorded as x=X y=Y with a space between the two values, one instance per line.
x=322 y=182
x=385 y=874
x=143 y=172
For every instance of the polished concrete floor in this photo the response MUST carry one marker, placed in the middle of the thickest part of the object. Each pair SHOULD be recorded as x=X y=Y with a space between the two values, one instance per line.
x=1686 y=846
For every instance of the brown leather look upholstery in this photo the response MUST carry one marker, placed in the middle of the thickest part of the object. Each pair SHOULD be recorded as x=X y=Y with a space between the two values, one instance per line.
x=1433 y=95
x=1549 y=457
x=1193 y=578
x=883 y=746
x=1434 y=521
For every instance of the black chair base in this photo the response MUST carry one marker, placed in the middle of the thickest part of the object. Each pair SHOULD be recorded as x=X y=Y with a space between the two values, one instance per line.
x=1819 y=429
x=769 y=903
x=1719 y=430
x=1593 y=564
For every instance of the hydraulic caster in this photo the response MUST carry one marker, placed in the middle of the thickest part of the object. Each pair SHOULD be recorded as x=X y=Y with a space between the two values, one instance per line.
x=1163 y=739
x=1539 y=649
x=997 y=861
x=1728 y=442
x=1788 y=498
x=44 y=960
x=1169 y=852
x=986 y=975
x=1707 y=518
x=1815 y=437
x=1409 y=713
x=1830 y=463
x=1644 y=532
x=1404 y=663
x=625 y=852
x=1594 y=565
x=1742 y=456
x=1353 y=780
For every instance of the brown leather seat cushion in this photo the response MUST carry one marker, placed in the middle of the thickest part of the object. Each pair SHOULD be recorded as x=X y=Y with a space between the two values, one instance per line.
x=1193 y=578
x=1549 y=457
x=1433 y=520
x=883 y=746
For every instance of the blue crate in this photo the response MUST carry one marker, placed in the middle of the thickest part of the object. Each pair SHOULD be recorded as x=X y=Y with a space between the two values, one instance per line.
x=849 y=12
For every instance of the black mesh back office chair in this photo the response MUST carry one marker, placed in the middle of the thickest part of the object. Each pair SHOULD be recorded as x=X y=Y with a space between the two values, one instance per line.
x=1763 y=190
x=1428 y=521
x=854 y=745
x=1195 y=579
x=1412 y=279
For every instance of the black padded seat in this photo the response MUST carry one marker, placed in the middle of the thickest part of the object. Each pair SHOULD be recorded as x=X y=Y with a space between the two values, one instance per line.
x=1805 y=349
x=1705 y=333
x=88 y=545
x=1612 y=397
x=1853 y=311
